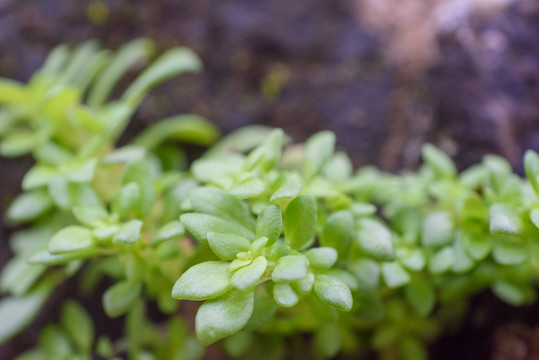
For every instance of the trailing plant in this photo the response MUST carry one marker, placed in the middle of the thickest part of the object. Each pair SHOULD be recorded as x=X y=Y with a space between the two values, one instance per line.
x=279 y=241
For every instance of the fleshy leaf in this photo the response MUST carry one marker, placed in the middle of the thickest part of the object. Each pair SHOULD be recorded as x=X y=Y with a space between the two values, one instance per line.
x=375 y=240
x=247 y=276
x=300 y=221
x=338 y=232
x=334 y=292
x=120 y=297
x=223 y=316
x=213 y=201
x=321 y=258
x=129 y=233
x=226 y=246
x=290 y=268
x=437 y=229
x=201 y=224
x=504 y=220
x=269 y=224
x=203 y=281
x=285 y=295
x=71 y=238
x=318 y=151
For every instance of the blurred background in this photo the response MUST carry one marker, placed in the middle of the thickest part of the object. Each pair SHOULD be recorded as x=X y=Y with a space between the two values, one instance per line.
x=385 y=75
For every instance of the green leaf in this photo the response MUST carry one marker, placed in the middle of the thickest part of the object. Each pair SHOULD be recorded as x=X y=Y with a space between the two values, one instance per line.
x=124 y=155
x=300 y=220
x=129 y=233
x=513 y=294
x=200 y=225
x=223 y=316
x=203 y=281
x=534 y=217
x=290 y=268
x=327 y=340
x=268 y=153
x=407 y=222
x=16 y=313
x=45 y=258
x=120 y=297
x=140 y=172
x=216 y=168
x=463 y=262
x=304 y=285
x=269 y=224
x=395 y=275
x=442 y=261
x=478 y=247
x=531 y=165
x=78 y=325
x=413 y=349
x=125 y=58
x=238 y=344
x=213 y=201
x=333 y=292
x=339 y=168
x=367 y=273
x=190 y=128
x=29 y=206
x=247 y=276
x=71 y=238
x=18 y=276
x=80 y=171
x=437 y=229
x=413 y=259
x=168 y=231
x=505 y=254
x=504 y=220
x=226 y=246
x=171 y=63
x=55 y=343
x=322 y=258
x=37 y=176
x=11 y=92
x=264 y=309
x=338 y=232
x=285 y=295
x=289 y=190
x=20 y=142
x=375 y=240
x=127 y=199
x=318 y=151
x=258 y=245
x=247 y=189
x=421 y=296
x=441 y=165
x=90 y=215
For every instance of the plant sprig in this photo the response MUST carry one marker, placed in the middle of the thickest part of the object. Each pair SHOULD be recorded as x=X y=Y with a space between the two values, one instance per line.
x=276 y=240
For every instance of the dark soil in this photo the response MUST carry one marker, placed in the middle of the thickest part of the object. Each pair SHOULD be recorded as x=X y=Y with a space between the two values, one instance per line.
x=307 y=65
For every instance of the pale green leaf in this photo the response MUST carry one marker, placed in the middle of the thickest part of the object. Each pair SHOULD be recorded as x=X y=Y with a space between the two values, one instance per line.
x=201 y=224
x=203 y=281
x=226 y=246
x=120 y=297
x=129 y=233
x=290 y=268
x=71 y=238
x=333 y=292
x=300 y=221
x=285 y=295
x=223 y=316
x=247 y=276
x=375 y=240
x=269 y=224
